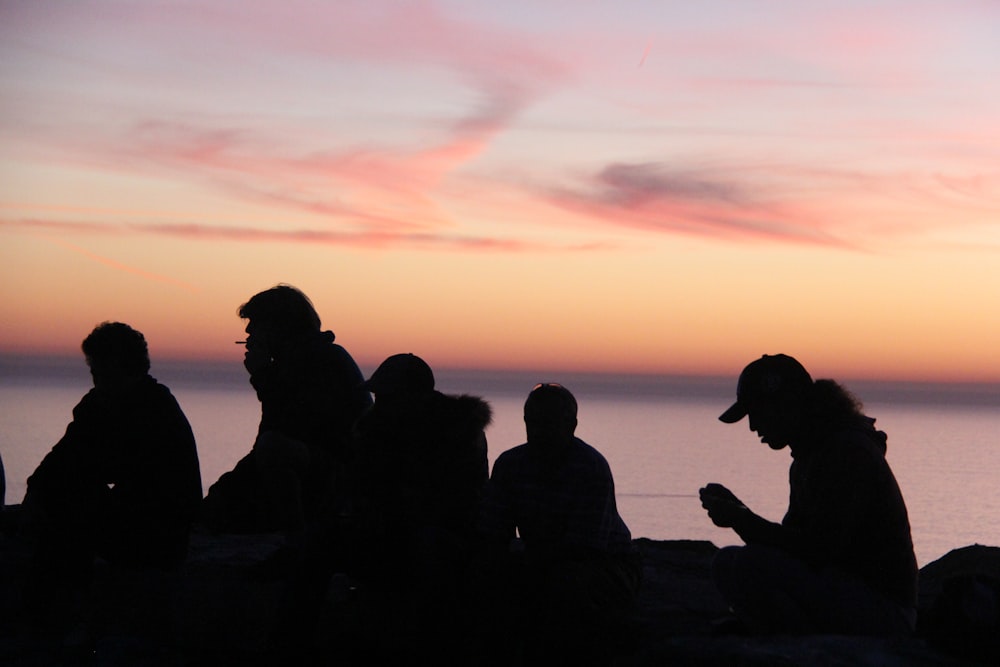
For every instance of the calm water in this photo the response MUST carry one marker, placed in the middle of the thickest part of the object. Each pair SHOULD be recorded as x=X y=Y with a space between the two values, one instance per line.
x=661 y=437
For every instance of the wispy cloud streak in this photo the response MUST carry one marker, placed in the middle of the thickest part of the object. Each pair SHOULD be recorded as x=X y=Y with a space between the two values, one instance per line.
x=119 y=266
x=652 y=197
x=363 y=239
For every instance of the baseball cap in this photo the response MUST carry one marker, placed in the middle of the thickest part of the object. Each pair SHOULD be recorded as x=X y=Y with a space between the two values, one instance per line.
x=401 y=373
x=769 y=376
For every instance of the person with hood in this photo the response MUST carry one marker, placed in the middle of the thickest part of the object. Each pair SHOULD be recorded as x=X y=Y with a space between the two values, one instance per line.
x=421 y=468
x=421 y=458
x=841 y=561
x=310 y=394
x=417 y=474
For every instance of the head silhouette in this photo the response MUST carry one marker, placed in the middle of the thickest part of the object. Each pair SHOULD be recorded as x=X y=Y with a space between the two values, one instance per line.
x=403 y=374
x=284 y=307
x=772 y=391
x=550 y=418
x=116 y=353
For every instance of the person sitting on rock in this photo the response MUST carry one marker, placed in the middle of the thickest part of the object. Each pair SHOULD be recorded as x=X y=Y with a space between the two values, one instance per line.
x=420 y=473
x=123 y=483
x=559 y=572
x=841 y=561
x=310 y=394
x=417 y=477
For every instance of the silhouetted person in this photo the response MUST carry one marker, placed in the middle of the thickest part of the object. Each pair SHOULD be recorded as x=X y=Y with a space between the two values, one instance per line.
x=841 y=561
x=123 y=483
x=3 y=498
x=310 y=393
x=419 y=469
x=422 y=467
x=560 y=571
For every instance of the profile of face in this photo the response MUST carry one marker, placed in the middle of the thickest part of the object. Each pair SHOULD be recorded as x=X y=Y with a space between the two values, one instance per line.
x=774 y=421
x=260 y=332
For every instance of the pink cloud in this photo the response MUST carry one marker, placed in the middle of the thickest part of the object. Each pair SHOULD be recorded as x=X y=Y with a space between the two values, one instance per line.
x=385 y=191
x=384 y=188
x=788 y=203
x=357 y=239
x=653 y=198
x=119 y=266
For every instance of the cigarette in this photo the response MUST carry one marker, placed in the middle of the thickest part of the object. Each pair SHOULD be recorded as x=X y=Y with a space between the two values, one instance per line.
x=240 y=342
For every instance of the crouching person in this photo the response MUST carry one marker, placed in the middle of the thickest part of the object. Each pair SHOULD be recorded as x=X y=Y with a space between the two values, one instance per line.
x=841 y=560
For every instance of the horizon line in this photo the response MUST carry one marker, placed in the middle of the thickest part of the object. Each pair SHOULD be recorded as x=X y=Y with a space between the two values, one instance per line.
x=229 y=373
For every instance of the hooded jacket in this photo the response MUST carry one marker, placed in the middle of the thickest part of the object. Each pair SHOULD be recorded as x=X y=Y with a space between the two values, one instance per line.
x=422 y=464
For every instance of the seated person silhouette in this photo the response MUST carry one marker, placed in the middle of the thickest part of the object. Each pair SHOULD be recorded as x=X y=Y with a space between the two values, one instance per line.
x=310 y=394
x=560 y=571
x=422 y=467
x=418 y=474
x=123 y=483
x=841 y=561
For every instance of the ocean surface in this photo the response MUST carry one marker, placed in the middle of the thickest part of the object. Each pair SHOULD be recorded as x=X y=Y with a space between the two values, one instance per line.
x=661 y=436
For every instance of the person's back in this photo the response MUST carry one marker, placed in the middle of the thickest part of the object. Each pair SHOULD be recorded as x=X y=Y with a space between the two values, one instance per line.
x=419 y=465
x=558 y=572
x=123 y=483
x=571 y=506
x=848 y=511
x=425 y=463
x=136 y=452
x=421 y=468
x=311 y=392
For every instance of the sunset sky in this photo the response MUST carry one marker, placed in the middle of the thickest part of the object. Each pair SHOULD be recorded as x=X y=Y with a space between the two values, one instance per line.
x=654 y=187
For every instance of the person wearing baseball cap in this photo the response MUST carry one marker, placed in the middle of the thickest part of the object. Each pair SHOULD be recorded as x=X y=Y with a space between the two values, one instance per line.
x=841 y=560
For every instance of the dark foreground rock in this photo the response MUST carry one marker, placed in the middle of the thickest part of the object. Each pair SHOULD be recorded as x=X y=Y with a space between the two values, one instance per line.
x=218 y=610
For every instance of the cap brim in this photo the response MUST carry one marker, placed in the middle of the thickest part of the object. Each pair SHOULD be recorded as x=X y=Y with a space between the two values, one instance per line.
x=735 y=413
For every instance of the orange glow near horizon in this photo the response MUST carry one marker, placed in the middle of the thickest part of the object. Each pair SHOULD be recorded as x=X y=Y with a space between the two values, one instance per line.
x=817 y=180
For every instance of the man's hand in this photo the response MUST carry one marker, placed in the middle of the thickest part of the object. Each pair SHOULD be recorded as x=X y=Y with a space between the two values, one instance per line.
x=257 y=356
x=724 y=508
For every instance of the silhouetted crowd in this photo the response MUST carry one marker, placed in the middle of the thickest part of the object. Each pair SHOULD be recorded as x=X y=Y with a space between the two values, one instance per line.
x=386 y=481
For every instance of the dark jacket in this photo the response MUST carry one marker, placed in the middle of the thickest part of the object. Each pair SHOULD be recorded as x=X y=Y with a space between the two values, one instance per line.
x=422 y=467
x=568 y=509
x=127 y=471
x=312 y=392
x=846 y=510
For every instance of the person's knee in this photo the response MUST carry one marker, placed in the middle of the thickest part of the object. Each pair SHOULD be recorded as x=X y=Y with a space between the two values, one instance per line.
x=275 y=451
x=726 y=568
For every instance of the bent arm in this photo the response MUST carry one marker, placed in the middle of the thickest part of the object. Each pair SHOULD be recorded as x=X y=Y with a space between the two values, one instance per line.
x=727 y=511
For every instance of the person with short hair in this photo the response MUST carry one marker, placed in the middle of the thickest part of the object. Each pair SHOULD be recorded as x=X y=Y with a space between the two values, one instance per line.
x=841 y=561
x=123 y=483
x=310 y=393
x=560 y=570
